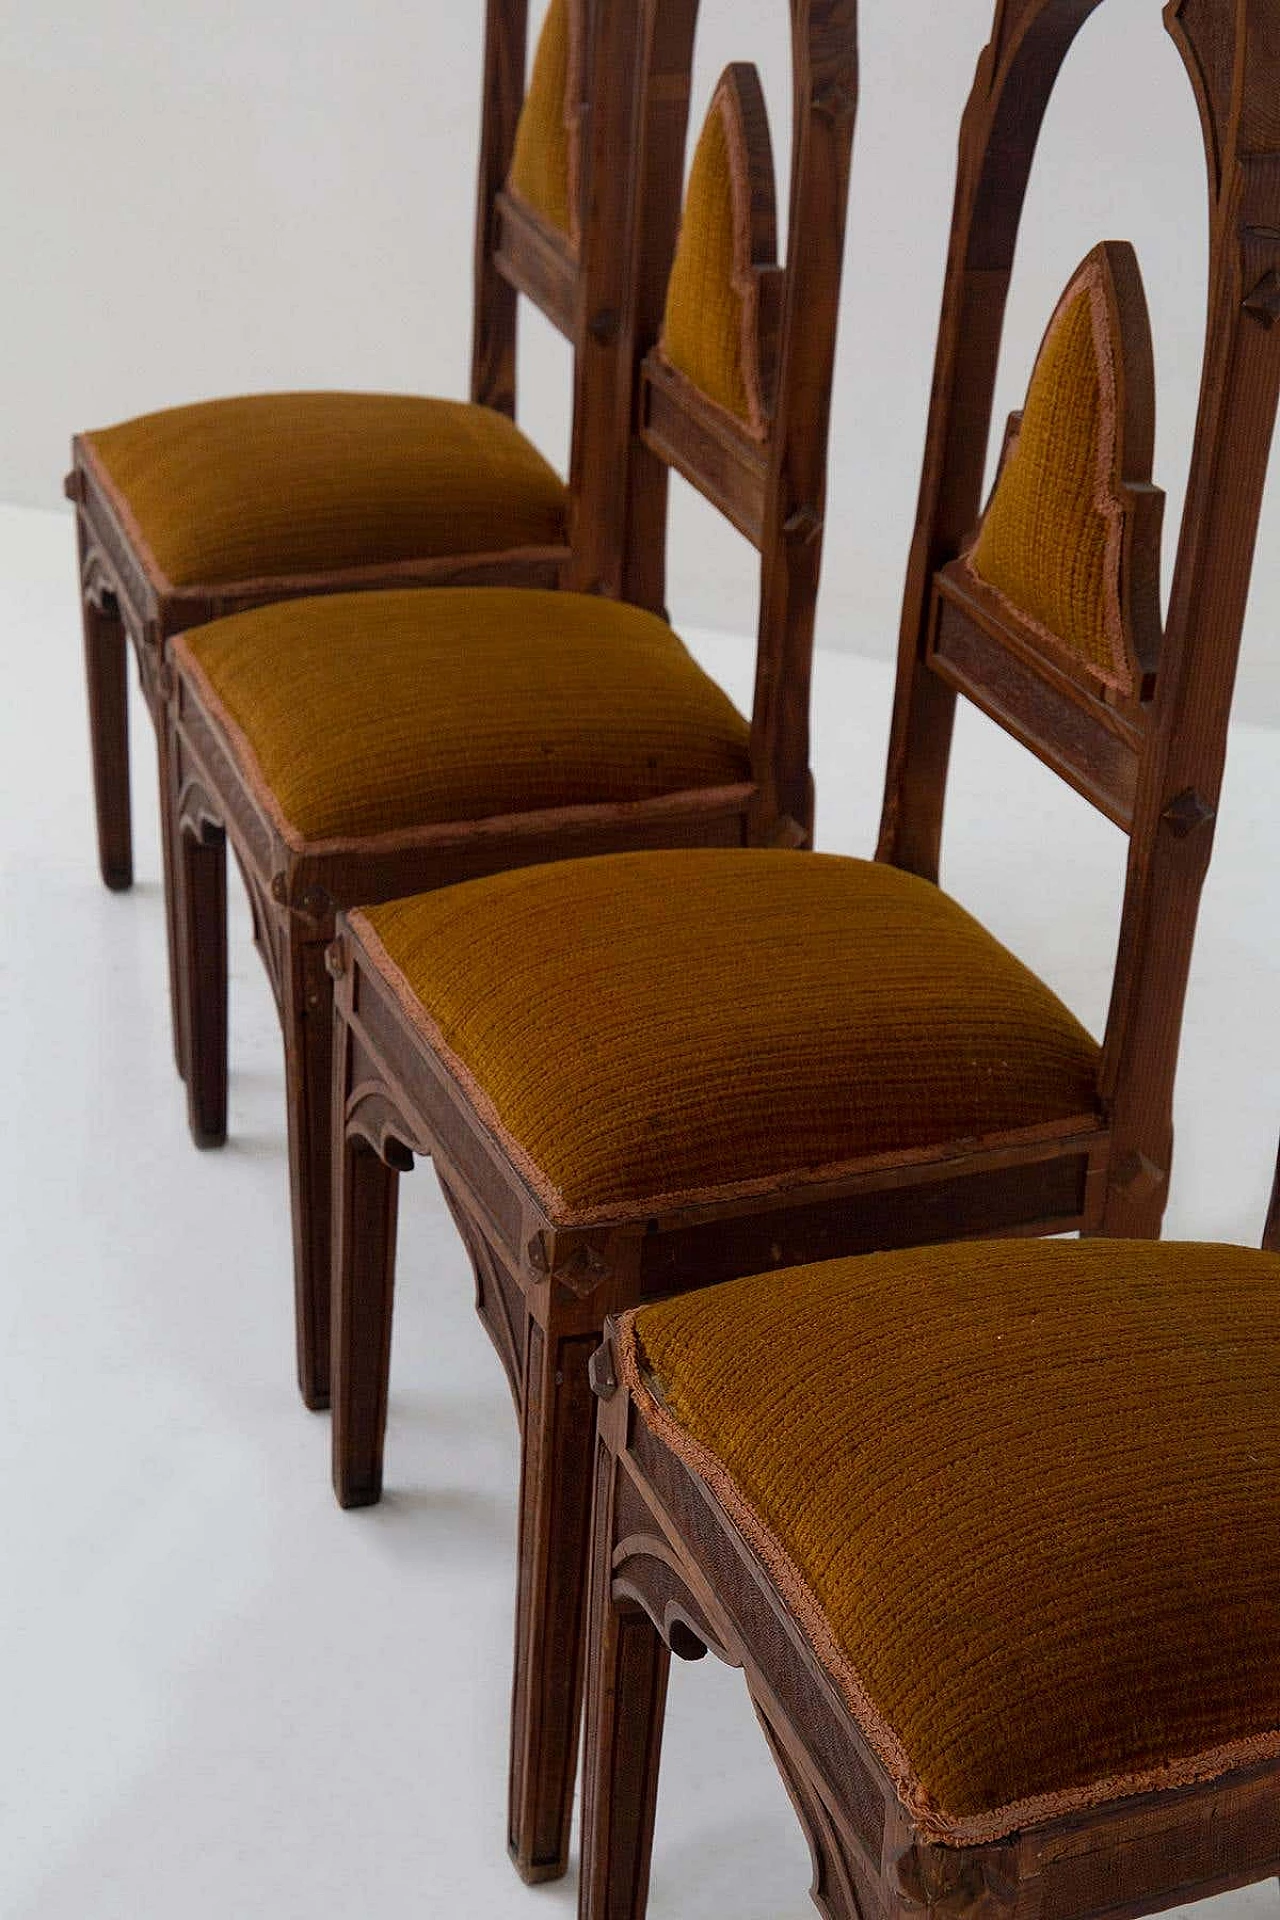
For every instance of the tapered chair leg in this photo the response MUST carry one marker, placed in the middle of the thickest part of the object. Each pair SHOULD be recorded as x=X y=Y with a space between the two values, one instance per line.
x=172 y=883
x=555 y=1515
x=202 y=972
x=308 y=1062
x=627 y=1668
x=106 y=681
x=365 y=1200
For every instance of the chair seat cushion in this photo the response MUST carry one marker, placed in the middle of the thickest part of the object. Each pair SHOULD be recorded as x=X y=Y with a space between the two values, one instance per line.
x=1020 y=1496
x=647 y=1027
x=371 y=713
x=287 y=484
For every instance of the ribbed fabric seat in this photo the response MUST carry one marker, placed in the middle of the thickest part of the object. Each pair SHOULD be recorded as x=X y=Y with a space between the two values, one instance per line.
x=369 y=713
x=281 y=484
x=645 y=1026
x=1021 y=1497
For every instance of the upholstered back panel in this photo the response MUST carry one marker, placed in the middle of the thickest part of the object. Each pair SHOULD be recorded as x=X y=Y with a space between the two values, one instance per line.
x=1052 y=539
x=544 y=166
x=711 y=327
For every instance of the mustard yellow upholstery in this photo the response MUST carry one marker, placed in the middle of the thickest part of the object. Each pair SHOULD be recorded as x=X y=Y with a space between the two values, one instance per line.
x=643 y=1025
x=371 y=712
x=1051 y=538
x=544 y=163
x=709 y=327
x=1021 y=1497
x=283 y=484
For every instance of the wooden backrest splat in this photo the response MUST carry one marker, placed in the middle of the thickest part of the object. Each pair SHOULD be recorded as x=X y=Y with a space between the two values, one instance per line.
x=545 y=174
x=517 y=249
x=711 y=333
x=772 y=485
x=1157 y=767
x=1054 y=549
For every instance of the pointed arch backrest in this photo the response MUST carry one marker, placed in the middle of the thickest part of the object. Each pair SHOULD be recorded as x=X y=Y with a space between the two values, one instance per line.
x=719 y=320
x=765 y=469
x=1154 y=760
x=1066 y=555
x=529 y=228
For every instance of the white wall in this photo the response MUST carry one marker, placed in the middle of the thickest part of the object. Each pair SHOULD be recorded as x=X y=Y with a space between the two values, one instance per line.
x=197 y=200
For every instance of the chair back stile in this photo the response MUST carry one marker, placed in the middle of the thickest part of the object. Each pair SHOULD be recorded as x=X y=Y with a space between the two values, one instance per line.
x=1180 y=778
x=1147 y=748
x=825 y=68
x=765 y=468
x=493 y=320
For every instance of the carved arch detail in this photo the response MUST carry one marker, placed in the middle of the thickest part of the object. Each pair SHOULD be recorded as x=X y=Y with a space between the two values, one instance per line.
x=198 y=814
x=373 y=1116
x=646 y=1571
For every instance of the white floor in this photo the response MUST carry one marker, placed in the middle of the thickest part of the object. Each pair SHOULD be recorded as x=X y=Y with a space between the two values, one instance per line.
x=219 y=1695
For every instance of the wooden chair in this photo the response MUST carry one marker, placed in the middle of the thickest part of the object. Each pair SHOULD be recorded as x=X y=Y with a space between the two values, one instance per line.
x=641 y=1074
x=190 y=514
x=990 y=1529
x=734 y=393
x=358 y=748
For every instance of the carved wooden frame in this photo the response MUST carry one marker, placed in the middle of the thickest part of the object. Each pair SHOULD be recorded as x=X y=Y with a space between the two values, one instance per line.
x=670 y=1573
x=1152 y=761
x=1097 y=1172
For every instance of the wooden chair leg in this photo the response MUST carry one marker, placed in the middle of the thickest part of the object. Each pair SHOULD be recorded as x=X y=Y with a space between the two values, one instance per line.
x=627 y=1667
x=308 y=1060
x=202 y=976
x=557 y=1425
x=172 y=883
x=106 y=680
x=365 y=1198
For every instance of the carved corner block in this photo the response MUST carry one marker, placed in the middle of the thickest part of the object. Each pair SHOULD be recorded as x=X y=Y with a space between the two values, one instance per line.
x=578 y=1265
x=964 y=1883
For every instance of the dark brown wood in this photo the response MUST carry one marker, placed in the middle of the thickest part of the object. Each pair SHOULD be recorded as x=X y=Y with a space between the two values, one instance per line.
x=494 y=306
x=706 y=445
x=307 y=1019
x=670 y=1571
x=107 y=688
x=1152 y=763
x=555 y=1518
x=534 y=258
x=364 y=1267
x=1086 y=741
x=628 y=1661
x=1001 y=125
x=202 y=932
